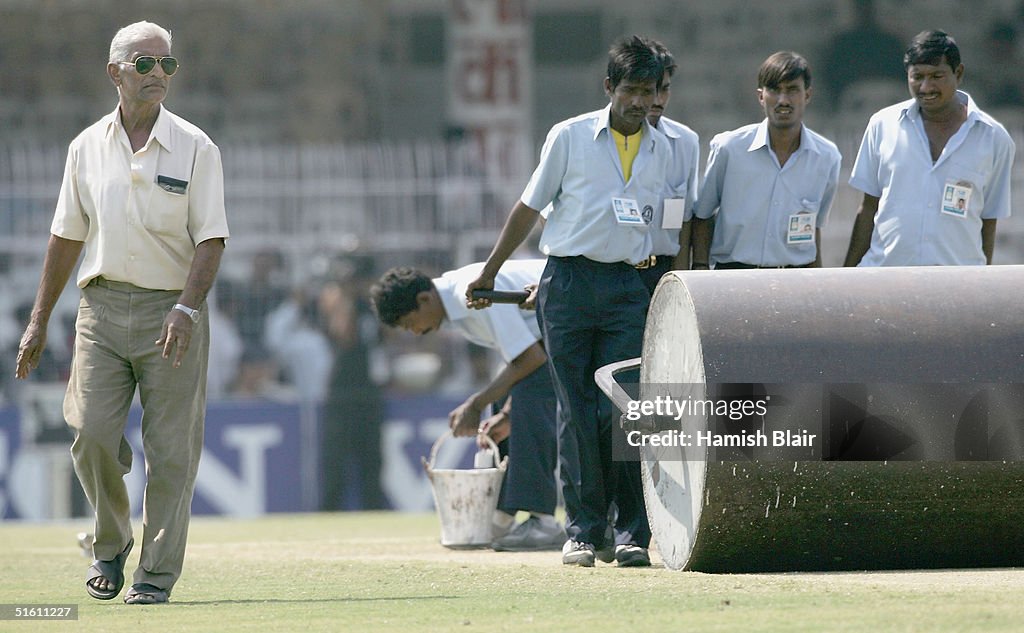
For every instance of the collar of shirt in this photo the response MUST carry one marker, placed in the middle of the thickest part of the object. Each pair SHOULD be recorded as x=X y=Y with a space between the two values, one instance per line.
x=603 y=123
x=761 y=139
x=912 y=111
x=161 y=129
x=667 y=130
x=453 y=308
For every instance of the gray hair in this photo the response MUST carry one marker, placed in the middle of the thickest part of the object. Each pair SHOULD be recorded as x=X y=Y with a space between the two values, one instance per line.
x=127 y=37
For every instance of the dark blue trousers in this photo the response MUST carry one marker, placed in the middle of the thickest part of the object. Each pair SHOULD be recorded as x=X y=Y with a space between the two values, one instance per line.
x=532 y=446
x=651 y=276
x=593 y=314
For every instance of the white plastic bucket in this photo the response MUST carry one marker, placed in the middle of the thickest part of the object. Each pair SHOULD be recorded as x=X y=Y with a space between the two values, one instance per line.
x=465 y=499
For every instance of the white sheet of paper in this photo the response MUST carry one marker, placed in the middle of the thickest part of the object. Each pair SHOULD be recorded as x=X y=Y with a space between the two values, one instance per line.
x=674 y=212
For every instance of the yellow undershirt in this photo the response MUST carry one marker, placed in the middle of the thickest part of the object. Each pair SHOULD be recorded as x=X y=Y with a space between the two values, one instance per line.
x=628 y=147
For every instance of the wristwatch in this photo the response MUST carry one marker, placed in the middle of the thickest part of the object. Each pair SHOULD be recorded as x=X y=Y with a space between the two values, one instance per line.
x=192 y=313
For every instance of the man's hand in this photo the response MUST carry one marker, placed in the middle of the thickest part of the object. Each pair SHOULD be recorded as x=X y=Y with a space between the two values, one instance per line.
x=30 y=350
x=464 y=420
x=531 y=301
x=497 y=427
x=483 y=282
x=176 y=332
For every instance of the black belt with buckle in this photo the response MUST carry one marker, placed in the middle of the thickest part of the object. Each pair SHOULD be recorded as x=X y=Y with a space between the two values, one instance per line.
x=650 y=262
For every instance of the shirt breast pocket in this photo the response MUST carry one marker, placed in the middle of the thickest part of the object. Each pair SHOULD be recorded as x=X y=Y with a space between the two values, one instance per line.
x=974 y=177
x=810 y=205
x=167 y=213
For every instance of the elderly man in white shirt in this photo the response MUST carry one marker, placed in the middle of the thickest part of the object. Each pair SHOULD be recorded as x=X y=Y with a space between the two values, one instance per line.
x=604 y=173
x=935 y=170
x=409 y=299
x=143 y=194
x=769 y=185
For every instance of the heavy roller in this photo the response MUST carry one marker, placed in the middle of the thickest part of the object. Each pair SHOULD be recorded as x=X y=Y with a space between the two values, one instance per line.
x=831 y=419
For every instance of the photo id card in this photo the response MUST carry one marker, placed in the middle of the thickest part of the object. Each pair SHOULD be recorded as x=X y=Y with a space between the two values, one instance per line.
x=627 y=211
x=956 y=198
x=674 y=212
x=801 y=228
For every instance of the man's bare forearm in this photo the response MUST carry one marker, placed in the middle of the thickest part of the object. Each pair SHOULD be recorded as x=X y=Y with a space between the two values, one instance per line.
x=532 y=359
x=521 y=221
x=701 y=239
x=203 y=272
x=988 y=239
x=682 y=259
x=863 y=227
x=61 y=257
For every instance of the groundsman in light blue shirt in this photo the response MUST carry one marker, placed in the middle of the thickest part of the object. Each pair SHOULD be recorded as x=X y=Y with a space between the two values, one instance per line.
x=769 y=185
x=935 y=170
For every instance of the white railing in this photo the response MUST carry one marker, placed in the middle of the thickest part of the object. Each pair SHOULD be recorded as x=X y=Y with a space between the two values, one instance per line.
x=383 y=197
x=414 y=195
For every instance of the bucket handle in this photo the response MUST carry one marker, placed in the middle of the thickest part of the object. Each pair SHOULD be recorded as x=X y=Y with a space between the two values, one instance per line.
x=429 y=465
x=605 y=379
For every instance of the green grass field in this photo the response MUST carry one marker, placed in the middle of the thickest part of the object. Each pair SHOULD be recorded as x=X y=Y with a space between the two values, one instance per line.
x=387 y=572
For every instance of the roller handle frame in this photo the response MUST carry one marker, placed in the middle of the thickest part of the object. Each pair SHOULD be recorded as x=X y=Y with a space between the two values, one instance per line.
x=605 y=379
x=501 y=296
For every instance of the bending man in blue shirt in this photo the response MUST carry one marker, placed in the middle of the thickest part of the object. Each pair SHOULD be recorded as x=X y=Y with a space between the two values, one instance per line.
x=409 y=299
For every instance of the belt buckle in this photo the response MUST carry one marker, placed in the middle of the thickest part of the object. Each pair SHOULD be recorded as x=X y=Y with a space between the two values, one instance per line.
x=647 y=263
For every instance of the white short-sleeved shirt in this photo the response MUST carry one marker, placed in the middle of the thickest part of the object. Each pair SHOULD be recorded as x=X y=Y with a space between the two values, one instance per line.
x=579 y=174
x=682 y=183
x=894 y=163
x=503 y=326
x=141 y=214
x=756 y=200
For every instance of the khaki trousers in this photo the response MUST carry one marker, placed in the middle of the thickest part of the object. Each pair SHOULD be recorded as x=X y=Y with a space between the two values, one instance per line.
x=115 y=352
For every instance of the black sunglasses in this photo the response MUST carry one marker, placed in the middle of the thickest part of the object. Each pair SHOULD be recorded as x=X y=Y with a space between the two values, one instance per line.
x=144 y=64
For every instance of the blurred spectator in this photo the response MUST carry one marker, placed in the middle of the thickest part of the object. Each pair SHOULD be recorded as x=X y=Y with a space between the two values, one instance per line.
x=257 y=297
x=293 y=336
x=863 y=51
x=350 y=447
x=225 y=349
x=257 y=377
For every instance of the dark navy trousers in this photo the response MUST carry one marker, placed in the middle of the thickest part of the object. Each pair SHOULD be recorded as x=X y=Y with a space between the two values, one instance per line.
x=529 y=482
x=592 y=314
x=651 y=276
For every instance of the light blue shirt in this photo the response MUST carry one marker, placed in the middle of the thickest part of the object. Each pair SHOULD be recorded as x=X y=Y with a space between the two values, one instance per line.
x=894 y=163
x=579 y=173
x=755 y=198
x=503 y=326
x=682 y=183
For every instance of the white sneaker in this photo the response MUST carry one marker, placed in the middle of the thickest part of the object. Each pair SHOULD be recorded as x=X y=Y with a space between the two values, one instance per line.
x=532 y=535
x=577 y=553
